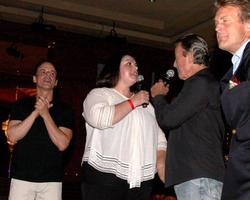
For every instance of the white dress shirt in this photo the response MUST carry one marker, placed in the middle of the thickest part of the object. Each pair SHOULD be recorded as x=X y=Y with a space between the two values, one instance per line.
x=237 y=56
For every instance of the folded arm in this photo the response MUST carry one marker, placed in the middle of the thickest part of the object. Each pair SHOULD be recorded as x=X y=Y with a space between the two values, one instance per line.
x=17 y=129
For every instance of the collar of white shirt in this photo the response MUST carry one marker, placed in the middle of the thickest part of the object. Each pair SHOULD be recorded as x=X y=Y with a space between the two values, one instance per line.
x=237 y=56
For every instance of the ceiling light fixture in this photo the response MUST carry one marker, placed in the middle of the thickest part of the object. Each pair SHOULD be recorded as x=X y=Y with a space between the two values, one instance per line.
x=114 y=38
x=151 y=1
x=40 y=25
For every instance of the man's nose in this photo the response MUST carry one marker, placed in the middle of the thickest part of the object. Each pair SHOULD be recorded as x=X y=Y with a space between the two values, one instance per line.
x=218 y=27
x=175 y=65
x=49 y=74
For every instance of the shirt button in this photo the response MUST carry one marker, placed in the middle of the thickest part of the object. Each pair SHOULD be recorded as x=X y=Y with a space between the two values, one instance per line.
x=234 y=131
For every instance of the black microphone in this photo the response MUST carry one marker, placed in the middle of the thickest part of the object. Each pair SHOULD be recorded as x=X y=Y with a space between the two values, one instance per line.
x=139 y=82
x=168 y=76
x=140 y=86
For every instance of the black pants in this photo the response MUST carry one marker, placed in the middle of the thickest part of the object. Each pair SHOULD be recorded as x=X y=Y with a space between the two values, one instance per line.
x=97 y=185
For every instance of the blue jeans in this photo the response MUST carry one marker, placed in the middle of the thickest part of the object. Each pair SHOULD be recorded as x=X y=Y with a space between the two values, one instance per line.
x=199 y=189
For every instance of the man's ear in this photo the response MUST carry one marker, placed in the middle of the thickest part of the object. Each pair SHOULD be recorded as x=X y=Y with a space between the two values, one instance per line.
x=248 y=29
x=190 y=56
x=248 y=25
x=34 y=79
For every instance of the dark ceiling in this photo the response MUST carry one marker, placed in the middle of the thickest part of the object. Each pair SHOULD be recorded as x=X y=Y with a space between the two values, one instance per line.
x=154 y=24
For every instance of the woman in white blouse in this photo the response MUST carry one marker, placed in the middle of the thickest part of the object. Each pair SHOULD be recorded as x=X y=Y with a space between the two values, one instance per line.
x=124 y=146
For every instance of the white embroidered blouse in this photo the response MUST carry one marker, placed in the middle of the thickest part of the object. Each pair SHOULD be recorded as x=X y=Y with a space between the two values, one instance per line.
x=128 y=148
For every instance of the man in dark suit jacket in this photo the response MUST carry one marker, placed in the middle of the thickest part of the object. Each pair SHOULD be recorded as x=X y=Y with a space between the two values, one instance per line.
x=194 y=164
x=232 y=25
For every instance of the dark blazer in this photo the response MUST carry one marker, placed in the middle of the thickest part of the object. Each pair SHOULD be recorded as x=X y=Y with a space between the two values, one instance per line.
x=195 y=128
x=236 y=107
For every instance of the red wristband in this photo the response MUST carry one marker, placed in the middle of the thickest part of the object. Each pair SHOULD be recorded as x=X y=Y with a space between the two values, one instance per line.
x=131 y=104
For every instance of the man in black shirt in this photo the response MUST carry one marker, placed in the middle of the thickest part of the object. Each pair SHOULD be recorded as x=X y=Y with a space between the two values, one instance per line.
x=40 y=128
x=194 y=164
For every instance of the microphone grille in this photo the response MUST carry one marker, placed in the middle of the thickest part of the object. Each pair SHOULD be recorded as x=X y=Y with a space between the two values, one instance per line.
x=140 y=78
x=170 y=73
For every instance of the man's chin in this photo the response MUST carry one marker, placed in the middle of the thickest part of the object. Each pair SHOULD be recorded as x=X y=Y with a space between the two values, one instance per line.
x=222 y=45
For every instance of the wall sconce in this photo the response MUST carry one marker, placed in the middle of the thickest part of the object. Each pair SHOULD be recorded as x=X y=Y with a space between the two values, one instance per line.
x=5 y=126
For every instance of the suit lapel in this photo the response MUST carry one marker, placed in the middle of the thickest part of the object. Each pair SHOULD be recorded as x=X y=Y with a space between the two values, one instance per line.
x=242 y=71
x=226 y=78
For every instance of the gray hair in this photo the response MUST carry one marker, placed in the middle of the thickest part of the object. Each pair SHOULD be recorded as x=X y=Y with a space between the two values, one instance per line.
x=197 y=45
